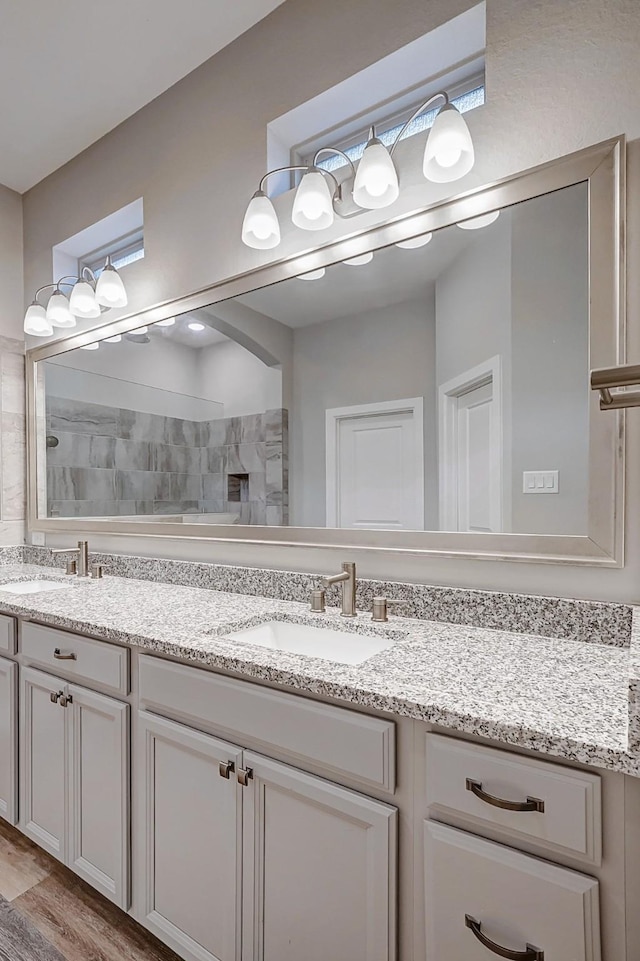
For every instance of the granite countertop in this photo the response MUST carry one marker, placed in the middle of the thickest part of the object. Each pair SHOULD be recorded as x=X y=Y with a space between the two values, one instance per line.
x=561 y=697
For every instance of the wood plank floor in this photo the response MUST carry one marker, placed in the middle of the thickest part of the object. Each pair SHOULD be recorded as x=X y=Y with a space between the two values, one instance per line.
x=74 y=918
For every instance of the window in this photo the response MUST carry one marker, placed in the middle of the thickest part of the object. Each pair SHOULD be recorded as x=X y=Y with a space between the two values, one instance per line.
x=124 y=251
x=389 y=130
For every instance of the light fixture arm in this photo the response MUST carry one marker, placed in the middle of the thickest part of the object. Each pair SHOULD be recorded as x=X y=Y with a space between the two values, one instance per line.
x=336 y=153
x=281 y=170
x=416 y=113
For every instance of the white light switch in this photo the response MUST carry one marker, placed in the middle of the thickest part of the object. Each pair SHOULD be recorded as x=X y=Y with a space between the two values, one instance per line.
x=540 y=481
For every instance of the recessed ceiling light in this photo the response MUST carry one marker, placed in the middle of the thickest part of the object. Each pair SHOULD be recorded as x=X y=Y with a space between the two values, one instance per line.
x=169 y=322
x=113 y=340
x=476 y=222
x=360 y=259
x=195 y=326
x=90 y=347
x=313 y=274
x=414 y=242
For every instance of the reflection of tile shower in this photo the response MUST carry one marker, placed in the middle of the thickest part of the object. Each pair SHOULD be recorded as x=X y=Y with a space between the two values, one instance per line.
x=114 y=461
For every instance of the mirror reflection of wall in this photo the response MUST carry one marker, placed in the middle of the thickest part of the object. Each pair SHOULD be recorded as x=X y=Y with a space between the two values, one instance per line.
x=435 y=387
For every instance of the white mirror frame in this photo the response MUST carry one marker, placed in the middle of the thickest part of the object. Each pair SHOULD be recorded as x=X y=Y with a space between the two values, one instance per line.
x=603 y=167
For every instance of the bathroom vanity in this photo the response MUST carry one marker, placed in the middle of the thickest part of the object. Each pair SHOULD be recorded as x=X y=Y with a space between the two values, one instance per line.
x=247 y=802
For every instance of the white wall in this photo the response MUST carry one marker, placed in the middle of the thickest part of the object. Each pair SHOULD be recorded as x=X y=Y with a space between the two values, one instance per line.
x=247 y=386
x=559 y=76
x=11 y=265
x=385 y=354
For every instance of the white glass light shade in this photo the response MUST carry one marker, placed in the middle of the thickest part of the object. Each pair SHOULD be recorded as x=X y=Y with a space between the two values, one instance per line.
x=83 y=301
x=169 y=322
x=90 y=347
x=482 y=221
x=376 y=183
x=313 y=274
x=415 y=242
x=140 y=330
x=195 y=326
x=35 y=321
x=110 y=290
x=260 y=227
x=313 y=202
x=113 y=340
x=58 y=311
x=360 y=260
x=448 y=154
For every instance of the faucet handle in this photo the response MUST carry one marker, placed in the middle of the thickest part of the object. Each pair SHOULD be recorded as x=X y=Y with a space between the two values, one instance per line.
x=71 y=567
x=381 y=607
x=318 y=600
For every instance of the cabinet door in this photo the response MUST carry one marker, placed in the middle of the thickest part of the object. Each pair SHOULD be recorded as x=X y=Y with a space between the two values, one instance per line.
x=43 y=726
x=8 y=739
x=319 y=869
x=98 y=815
x=192 y=823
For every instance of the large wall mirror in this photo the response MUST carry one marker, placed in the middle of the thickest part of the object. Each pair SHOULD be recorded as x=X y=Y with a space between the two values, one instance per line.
x=428 y=392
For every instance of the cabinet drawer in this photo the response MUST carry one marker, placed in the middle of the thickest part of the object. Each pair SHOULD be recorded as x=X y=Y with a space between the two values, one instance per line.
x=472 y=782
x=343 y=742
x=7 y=634
x=76 y=657
x=477 y=889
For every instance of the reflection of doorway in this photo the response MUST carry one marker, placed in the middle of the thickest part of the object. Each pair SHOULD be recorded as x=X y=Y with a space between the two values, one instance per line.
x=375 y=466
x=470 y=416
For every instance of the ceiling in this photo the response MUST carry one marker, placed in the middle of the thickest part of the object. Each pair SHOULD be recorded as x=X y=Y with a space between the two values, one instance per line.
x=393 y=276
x=71 y=71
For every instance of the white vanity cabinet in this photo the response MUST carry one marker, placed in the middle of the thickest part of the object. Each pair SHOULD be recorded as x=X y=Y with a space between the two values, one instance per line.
x=74 y=782
x=246 y=857
x=8 y=739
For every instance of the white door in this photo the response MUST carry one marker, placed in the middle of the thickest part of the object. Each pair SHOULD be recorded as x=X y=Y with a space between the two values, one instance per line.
x=471 y=452
x=192 y=823
x=43 y=725
x=319 y=869
x=98 y=824
x=375 y=470
x=8 y=739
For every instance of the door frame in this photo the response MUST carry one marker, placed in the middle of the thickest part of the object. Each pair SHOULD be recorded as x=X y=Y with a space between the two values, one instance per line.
x=334 y=415
x=489 y=371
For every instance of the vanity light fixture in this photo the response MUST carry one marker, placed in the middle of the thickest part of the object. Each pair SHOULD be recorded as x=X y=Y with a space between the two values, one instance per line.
x=360 y=260
x=140 y=330
x=414 y=242
x=113 y=340
x=169 y=322
x=475 y=223
x=313 y=274
x=196 y=326
x=448 y=156
x=90 y=347
x=89 y=298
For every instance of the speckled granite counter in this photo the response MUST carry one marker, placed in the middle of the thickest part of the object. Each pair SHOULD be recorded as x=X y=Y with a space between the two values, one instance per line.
x=561 y=697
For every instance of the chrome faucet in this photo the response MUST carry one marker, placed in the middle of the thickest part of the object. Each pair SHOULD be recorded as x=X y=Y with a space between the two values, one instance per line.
x=348 y=580
x=79 y=566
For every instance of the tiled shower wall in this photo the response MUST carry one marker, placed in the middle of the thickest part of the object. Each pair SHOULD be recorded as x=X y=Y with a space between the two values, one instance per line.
x=114 y=461
x=13 y=480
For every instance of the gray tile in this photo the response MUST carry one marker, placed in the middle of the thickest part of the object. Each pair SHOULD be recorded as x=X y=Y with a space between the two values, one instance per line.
x=137 y=485
x=176 y=507
x=135 y=425
x=81 y=417
x=82 y=450
x=213 y=433
x=212 y=506
x=274 y=516
x=184 y=487
x=251 y=429
x=257 y=487
x=81 y=483
x=182 y=433
x=92 y=508
x=132 y=454
x=214 y=487
x=274 y=423
x=245 y=458
x=175 y=459
x=214 y=460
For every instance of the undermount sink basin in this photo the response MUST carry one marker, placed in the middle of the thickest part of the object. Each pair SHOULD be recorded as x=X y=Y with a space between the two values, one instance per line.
x=33 y=587
x=344 y=647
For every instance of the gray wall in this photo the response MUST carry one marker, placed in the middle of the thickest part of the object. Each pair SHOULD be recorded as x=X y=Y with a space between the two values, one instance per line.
x=550 y=359
x=385 y=354
x=579 y=57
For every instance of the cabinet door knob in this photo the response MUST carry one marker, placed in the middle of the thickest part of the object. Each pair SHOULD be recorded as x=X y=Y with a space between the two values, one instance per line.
x=65 y=699
x=59 y=656
x=244 y=775
x=531 y=804
x=55 y=696
x=531 y=953
x=225 y=768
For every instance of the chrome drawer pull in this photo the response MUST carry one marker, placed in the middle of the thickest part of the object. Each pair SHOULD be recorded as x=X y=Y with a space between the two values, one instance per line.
x=531 y=954
x=59 y=656
x=531 y=804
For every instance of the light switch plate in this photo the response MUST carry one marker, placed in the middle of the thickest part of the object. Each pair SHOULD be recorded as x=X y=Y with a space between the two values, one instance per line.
x=540 y=481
